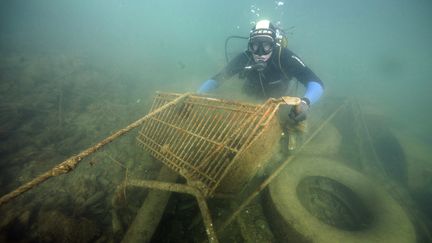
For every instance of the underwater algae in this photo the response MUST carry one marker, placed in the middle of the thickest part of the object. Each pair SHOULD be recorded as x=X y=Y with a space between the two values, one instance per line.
x=62 y=105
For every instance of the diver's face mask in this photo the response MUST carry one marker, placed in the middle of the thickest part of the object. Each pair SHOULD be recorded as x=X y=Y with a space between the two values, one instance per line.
x=261 y=45
x=261 y=48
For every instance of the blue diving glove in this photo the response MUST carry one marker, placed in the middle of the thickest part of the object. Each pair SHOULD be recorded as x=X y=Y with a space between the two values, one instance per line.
x=299 y=112
x=314 y=90
x=208 y=86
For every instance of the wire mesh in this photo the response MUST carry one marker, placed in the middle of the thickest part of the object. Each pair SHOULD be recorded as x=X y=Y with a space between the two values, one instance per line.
x=201 y=137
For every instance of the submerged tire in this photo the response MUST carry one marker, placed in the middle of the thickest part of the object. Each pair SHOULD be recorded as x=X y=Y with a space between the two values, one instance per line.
x=320 y=200
x=391 y=154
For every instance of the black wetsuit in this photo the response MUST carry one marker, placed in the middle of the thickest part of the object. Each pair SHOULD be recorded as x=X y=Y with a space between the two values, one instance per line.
x=273 y=81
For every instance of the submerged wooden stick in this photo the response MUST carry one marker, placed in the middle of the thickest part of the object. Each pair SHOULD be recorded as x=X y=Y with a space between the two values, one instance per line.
x=70 y=164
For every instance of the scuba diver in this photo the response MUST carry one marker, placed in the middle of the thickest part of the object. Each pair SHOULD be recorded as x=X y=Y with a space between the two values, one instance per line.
x=268 y=66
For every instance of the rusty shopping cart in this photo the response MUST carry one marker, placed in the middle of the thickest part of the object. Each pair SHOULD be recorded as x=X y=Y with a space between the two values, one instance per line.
x=216 y=145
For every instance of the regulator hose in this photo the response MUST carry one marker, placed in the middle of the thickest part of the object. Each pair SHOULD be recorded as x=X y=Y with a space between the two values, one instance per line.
x=226 y=43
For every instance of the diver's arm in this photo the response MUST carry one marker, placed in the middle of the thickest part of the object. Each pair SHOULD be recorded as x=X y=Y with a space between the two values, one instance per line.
x=235 y=66
x=208 y=86
x=313 y=84
x=314 y=91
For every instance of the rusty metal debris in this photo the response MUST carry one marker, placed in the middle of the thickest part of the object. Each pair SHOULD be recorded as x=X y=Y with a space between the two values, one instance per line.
x=207 y=141
x=202 y=138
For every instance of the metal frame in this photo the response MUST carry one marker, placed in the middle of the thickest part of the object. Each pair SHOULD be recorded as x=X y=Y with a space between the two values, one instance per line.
x=201 y=138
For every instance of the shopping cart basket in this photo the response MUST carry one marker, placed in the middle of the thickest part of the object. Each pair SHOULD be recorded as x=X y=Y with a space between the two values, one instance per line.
x=217 y=145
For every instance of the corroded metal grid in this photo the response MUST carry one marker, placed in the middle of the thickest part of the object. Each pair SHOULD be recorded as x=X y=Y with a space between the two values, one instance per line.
x=200 y=137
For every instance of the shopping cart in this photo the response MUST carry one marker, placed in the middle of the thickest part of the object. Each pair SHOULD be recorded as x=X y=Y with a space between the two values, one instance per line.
x=216 y=145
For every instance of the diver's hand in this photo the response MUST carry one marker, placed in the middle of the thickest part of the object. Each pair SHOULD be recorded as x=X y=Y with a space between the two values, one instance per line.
x=299 y=112
x=208 y=86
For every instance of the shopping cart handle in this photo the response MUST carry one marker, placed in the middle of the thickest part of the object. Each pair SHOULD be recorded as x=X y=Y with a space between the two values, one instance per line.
x=290 y=100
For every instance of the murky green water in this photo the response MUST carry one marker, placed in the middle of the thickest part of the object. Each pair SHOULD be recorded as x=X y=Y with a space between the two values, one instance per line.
x=73 y=72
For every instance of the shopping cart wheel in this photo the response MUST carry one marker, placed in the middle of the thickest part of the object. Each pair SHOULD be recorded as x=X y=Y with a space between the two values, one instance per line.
x=321 y=200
